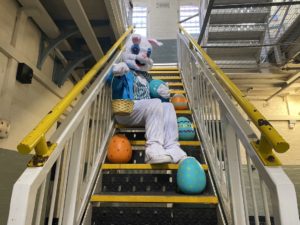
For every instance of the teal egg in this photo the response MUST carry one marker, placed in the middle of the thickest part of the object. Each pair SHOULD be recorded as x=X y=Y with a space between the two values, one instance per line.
x=154 y=84
x=186 y=131
x=191 y=178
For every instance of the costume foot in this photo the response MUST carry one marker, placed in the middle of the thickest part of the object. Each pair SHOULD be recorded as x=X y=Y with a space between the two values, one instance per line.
x=176 y=153
x=157 y=159
x=155 y=154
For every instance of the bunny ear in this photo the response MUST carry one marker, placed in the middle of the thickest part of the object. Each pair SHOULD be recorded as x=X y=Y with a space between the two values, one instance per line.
x=155 y=42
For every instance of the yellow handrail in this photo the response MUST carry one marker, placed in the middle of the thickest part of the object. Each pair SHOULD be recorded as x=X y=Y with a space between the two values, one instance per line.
x=270 y=138
x=36 y=138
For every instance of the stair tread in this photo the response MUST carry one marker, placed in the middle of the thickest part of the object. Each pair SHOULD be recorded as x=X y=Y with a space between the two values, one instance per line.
x=142 y=166
x=137 y=128
x=164 y=72
x=166 y=77
x=204 y=214
x=177 y=91
x=129 y=198
x=187 y=143
x=175 y=84
x=189 y=112
x=163 y=68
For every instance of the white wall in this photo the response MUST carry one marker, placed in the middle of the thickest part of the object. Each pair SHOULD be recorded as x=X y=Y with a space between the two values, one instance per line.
x=28 y=103
x=279 y=110
x=162 y=22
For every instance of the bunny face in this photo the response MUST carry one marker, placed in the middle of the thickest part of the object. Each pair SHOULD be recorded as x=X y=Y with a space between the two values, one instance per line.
x=138 y=52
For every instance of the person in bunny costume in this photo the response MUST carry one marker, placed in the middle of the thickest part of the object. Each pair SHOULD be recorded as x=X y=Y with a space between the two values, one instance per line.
x=130 y=80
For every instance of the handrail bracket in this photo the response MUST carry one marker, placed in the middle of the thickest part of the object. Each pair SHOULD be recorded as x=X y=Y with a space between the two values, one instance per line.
x=265 y=152
x=42 y=152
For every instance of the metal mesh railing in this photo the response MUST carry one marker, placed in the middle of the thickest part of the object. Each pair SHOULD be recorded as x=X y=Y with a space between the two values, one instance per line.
x=57 y=190
x=243 y=182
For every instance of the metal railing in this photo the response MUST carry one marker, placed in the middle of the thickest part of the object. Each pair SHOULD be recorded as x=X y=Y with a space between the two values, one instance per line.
x=36 y=138
x=249 y=189
x=60 y=188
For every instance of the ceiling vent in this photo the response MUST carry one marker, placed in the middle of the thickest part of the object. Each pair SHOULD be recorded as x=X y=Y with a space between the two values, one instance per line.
x=163 y=4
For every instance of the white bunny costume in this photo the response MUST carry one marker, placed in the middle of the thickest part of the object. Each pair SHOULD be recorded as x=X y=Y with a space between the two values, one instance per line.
x=158 y=118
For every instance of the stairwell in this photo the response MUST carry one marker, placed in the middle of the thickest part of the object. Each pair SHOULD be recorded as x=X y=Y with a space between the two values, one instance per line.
x=71 y=182
x=139 y=193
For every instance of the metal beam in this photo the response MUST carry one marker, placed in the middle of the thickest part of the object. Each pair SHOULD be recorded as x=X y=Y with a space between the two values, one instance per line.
x=52 y=44
x=76 y=9
x=289 y=82
x=186 y=19
x=205 y=22
x=60 y=75
x=248 y=5
x=115 y=17
x=36 y=10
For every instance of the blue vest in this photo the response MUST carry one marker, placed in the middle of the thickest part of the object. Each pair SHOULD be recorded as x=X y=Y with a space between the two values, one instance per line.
x=122 y=86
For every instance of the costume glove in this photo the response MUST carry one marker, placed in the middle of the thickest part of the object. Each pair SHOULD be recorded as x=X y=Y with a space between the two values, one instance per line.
x=163 y=91
x=120 y=69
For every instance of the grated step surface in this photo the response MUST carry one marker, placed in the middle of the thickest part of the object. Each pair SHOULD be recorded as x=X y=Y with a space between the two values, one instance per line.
x=154 y=216
x=150 y=184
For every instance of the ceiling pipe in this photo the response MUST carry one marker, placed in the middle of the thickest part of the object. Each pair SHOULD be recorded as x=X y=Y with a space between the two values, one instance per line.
x=288 y=83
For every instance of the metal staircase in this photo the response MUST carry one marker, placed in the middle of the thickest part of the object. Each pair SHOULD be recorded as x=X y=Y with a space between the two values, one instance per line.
x=70 y=182
x=139 y=193
x=235 y=35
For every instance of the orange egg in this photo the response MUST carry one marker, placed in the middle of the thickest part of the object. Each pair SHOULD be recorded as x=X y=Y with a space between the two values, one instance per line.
x=119 y=149
x=179 y=102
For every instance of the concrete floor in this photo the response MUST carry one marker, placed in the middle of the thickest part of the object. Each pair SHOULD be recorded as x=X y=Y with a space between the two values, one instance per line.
x=12 y=164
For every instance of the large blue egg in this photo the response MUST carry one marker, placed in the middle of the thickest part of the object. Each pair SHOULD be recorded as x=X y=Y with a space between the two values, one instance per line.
x=191 y=178
x=186 y=131
x=154 y=85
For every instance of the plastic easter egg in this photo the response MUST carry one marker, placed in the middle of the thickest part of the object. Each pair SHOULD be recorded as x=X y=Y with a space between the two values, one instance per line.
x=191 y=178
x=179 y=102
x=119 y=149
x=185 y=129
x=154 y=85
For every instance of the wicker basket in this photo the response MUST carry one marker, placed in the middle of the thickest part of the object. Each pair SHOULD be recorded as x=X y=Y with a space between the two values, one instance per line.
x=122 y=107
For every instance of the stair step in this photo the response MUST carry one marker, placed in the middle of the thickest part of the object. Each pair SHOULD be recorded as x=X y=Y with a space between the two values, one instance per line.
x=182 y=143
x=187 y=199
x=154 y=215
x=177 y=91
x=164 y=72
x=185 y=112
x=143 y=182
x=239 y=15
x=138 y=154
x=165 y=78
x=164 y=68
x=235 y=32
x=142 y=166
x=124 y=128
x=175 y=84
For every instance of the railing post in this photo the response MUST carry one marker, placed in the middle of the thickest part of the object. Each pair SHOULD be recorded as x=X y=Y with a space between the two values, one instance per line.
x=235 y=174
x=75 y=172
